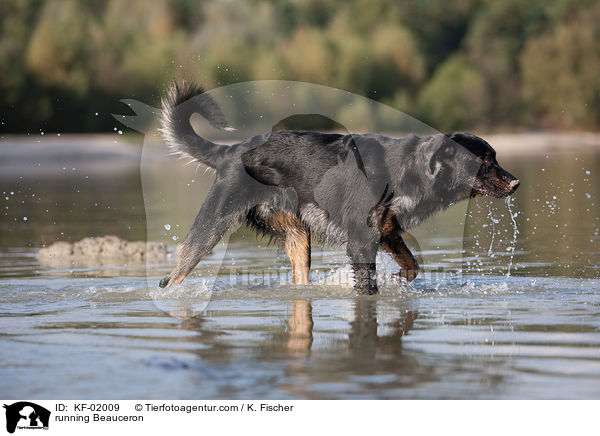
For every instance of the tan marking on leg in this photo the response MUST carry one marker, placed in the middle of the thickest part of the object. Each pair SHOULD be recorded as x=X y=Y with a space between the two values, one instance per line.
x=392 y=242
x=388 y=224
x=297 y=248
x=403 y=257
x=296 y=244
x=180 y=279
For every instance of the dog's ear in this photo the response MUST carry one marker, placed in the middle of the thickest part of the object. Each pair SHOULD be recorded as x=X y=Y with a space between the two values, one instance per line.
x=461 y=138
x=438 y=150
x=472 y=143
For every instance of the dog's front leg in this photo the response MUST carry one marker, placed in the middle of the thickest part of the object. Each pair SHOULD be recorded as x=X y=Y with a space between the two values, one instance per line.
x=362 y=255
x=396 y=247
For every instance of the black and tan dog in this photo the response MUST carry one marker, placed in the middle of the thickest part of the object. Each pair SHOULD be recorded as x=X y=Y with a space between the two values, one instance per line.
x=363 y=190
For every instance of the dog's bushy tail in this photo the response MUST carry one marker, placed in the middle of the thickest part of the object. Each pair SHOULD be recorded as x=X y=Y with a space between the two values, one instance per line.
x=180 y=103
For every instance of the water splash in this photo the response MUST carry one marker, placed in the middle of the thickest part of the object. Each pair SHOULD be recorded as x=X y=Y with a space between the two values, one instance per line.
x=494 y=222
x=509 y=204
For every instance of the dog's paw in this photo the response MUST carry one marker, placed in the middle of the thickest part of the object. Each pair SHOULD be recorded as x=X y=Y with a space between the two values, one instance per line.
x=408 y=275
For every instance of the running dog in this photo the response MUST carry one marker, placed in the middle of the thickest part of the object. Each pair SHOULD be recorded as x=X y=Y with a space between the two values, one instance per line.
x=362 y=190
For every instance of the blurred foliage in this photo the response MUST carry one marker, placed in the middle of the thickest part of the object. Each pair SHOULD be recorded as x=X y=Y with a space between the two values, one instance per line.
x=561 y=72
x=466 y=64
x=456 y=85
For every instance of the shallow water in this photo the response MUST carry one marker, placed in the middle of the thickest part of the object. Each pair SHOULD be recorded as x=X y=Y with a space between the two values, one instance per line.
x=106 y=332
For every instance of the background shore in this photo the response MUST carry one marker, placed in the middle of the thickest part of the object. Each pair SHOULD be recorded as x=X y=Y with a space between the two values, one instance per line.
x=16 y=148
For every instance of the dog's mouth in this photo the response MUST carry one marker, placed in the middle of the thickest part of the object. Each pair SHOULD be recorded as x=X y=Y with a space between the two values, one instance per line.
x=495 y=187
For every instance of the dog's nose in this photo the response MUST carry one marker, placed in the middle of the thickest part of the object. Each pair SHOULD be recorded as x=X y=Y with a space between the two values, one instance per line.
x=514 y=185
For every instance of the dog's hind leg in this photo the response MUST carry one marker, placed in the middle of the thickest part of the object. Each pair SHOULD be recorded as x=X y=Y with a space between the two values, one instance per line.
x=392 y=242
x=213 y=220
x=297 y=248
x=296 y=242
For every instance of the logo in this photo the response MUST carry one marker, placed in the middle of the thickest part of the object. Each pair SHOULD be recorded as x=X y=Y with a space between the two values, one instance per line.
x=26 y=415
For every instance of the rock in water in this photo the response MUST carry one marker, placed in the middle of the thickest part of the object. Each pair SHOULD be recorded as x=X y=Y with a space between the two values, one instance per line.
x=103 y=250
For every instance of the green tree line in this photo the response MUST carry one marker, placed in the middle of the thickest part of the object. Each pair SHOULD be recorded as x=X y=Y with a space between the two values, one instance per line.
x=465 y=64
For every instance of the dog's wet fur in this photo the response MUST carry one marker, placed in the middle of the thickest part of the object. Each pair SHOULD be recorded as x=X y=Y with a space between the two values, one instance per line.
x=363 y=190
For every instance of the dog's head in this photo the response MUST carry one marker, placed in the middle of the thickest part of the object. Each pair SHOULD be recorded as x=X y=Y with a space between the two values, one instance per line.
x=466 y=165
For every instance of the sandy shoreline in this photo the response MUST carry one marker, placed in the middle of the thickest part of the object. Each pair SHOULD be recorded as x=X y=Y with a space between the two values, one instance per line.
x=17 y=149
x=541 y=142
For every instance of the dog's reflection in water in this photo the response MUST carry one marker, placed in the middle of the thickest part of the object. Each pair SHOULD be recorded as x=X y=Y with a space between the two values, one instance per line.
x=363 y=334
x=312 y=348
x=373 y=345
x=296 y=339
x=300 y=328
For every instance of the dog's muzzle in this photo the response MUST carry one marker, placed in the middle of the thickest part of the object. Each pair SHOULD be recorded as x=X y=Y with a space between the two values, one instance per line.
x=504 y=188
x=498 y=185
